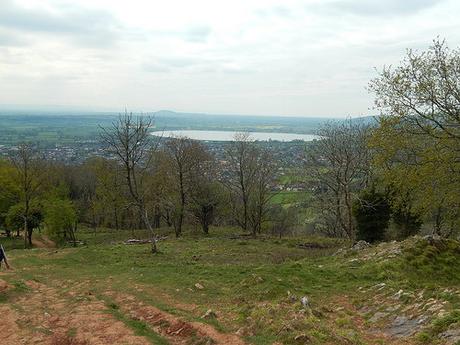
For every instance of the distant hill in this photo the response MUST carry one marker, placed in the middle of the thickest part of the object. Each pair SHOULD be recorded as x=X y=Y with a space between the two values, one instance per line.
x=170 y=120
x=69 y=125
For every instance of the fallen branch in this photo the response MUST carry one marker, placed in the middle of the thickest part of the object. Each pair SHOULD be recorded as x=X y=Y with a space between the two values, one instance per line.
x=145 y=241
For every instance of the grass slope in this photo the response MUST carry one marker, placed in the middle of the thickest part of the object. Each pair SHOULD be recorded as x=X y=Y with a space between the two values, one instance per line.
x=255 y=285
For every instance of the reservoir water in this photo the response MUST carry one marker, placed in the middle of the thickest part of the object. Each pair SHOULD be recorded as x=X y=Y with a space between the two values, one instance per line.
x=229 y=135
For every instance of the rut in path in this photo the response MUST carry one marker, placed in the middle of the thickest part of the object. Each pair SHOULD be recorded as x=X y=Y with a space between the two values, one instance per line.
x=176 y=330
x=47 y=315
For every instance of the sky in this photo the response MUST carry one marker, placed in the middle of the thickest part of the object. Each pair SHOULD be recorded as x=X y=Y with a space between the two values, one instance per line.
x=256 y=57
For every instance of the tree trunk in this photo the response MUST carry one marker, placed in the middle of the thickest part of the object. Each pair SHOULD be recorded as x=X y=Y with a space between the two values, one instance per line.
x=115 y=211
x=182 y=206
x=26 y=230
x=29 y=236
x=178 y=227
x=205 y=227
x=149 y=227
x=157 y=218
x=168 y=219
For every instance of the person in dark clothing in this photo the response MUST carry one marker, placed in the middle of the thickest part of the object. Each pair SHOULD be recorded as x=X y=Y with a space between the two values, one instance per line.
x=3 y=257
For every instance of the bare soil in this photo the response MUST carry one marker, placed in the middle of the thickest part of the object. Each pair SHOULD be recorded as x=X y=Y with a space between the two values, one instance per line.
x=47 y=315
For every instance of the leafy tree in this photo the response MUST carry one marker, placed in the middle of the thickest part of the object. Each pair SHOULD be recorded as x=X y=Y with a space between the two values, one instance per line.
x=372 y=214
x=9 y=194
x=417 y=142
x=109 y=198
x=408 y=222
x=60 y=217
x=29 y=178
x=14 y=218
x=282 y=219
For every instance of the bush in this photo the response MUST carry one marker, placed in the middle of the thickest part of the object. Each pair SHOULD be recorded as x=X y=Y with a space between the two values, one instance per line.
x=408 y=223
x=372 y=214
x=60 y=217
x=15 y=221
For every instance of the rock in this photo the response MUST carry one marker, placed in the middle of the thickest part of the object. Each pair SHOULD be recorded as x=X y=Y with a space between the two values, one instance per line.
x=380 y=286
x=302 y=338
x=377 y=316
x=452 y=336
x=244 y=332
x=259 y=279
x=3 y=285
x=305 y=302
x=360 y=245
x=432 y=238
x=209 y=315
x=199 y=286
x=394 y=252
x=402 y=326
x=422 y=320
x=398 y=294
x=393 y=308
x=292 y=298
x=338 y=252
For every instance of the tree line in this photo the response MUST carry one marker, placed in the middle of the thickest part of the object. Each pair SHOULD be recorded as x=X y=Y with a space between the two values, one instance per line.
x=369 y=179
x=403 y=168
x=143 y=182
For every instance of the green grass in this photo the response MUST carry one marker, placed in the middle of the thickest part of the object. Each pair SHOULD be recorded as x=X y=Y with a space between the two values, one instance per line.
x=248 y=279
x=290 y=197
x=13 y=242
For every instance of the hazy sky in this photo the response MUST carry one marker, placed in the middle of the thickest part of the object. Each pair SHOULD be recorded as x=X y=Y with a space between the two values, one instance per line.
x=306 y=58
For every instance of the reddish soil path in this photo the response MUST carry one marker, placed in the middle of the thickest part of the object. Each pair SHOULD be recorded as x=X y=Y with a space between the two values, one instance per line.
x=176 y=330
x=47 y=315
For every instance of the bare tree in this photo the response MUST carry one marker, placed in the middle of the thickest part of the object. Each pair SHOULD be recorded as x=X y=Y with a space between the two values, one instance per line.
x=338 y=165
x=251 y=174
x=130 y=141
x=29 y=174
x=262 y=191
x=185 y=156
x=205 y=193
x=241 y=173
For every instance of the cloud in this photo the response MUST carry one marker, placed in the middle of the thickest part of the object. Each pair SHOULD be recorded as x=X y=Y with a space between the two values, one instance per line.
x=11 y=39
x=377 y=8
x=278 y=11
x=85 y=26
x=197 y=34
x=300 y=57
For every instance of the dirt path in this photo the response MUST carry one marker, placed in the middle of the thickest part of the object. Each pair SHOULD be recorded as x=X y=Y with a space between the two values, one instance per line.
x=43 y=242
x=44 y=316
x=47 y=315
x=176 y=330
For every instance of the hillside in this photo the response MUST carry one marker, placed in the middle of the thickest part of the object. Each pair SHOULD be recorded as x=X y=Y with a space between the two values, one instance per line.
x=228 y=289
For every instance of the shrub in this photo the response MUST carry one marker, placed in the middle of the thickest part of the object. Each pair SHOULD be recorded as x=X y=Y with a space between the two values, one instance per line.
x=407 y=222
x=372 y=215
x=60 y=217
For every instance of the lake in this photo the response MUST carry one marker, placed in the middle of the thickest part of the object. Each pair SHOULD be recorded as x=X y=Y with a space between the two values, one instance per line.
x=229 y=135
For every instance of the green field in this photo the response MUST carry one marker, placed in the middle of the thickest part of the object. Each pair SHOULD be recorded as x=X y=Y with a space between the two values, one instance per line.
x=291 y=197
